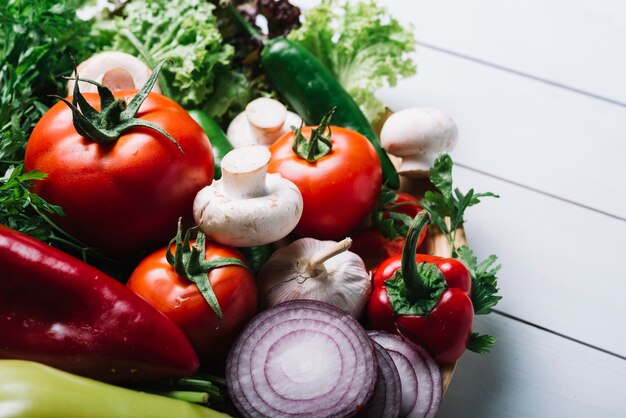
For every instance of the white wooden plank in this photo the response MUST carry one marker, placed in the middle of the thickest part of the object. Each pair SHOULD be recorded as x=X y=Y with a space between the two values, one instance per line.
x=531 y=373
x=573 y=42
x=547 y=138
x=563 y=266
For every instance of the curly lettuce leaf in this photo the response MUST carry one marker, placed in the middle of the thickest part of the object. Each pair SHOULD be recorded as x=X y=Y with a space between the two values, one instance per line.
x=185 y=33
x=362 y=45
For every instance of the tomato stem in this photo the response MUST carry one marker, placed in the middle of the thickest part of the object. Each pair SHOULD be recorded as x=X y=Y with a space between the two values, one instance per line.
x=319 y=144
x=189 y=262
x=115 y=116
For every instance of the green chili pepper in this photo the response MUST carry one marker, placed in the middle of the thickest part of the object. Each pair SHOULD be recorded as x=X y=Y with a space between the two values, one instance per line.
x=312 y=90
x=219 y=142
x=34 y=390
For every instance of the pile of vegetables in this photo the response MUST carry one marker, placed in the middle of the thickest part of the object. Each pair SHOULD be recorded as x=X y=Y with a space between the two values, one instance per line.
x=260 y=259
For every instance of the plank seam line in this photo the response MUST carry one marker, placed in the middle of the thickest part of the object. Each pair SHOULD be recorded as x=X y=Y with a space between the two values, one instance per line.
x=542 y=192
x=522 y=74
x=567 y=337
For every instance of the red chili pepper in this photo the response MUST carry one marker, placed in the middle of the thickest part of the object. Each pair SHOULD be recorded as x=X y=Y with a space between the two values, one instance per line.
x=57 y=310
x=428 y=303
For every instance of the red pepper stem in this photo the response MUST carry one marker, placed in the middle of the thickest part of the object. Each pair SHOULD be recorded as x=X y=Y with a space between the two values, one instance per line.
x=413 y=281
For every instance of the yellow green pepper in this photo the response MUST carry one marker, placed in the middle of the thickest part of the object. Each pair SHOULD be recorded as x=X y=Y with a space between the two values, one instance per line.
x=33 y=390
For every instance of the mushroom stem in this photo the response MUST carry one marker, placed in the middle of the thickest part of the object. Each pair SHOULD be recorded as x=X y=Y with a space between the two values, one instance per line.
x=315 y=264
x=266 y=116
x=243 y=172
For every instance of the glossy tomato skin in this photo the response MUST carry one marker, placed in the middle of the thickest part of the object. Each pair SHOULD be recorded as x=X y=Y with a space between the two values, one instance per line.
x=126 y=196
x=339 y=190
x=156 y=282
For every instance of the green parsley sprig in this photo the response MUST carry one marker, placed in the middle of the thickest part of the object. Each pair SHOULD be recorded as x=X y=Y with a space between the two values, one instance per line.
x=447 y=210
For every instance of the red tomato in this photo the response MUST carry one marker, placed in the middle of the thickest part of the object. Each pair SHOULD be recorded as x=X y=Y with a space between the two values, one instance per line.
x=339 y=190
x=181 y=301
x=125 y=196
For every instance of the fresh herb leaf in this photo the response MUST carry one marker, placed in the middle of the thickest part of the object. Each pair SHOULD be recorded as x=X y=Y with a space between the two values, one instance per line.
x=484 y=280
x=20 y=209
x=481 y=344
x=447 y=205
x=36 y=40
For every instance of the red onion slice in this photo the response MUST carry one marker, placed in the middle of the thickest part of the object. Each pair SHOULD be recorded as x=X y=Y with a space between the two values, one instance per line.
x=301 y=358
x=388 y=392
x=420 y=376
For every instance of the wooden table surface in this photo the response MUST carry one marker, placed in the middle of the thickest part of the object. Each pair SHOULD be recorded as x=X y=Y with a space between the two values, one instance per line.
x=538 y=90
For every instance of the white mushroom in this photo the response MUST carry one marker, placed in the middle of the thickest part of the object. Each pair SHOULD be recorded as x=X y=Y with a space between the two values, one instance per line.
x=115 y=70
x=418 y=135
x=263 y=122
x=247 y=206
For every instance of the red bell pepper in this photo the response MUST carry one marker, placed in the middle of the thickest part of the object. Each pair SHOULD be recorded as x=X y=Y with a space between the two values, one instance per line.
x=424 y=298
x=57 y=310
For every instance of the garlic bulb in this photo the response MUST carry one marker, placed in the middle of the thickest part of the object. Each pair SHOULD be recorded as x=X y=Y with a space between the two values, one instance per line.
x=318 y=270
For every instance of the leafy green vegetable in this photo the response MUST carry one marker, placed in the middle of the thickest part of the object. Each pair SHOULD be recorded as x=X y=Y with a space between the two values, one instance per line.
x=185 y=33
x=484 y=280
x=16 y=203
x=447 y=208
x=36 y=39
x=362 y=45
x=481 y=344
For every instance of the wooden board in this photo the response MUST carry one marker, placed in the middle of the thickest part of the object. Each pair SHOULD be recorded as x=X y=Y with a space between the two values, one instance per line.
x=534 y=373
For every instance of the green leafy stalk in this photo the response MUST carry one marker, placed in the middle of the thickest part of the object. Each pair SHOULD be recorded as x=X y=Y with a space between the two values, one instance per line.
x=447 y=206
x=484 y=280
x=481 y=344
x=196 y=389
x=36 y=37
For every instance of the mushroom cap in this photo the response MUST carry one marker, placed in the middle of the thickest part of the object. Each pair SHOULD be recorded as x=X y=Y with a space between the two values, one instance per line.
x=252 y=221
x=418 y=135
x=263 y=122
x=116 y=70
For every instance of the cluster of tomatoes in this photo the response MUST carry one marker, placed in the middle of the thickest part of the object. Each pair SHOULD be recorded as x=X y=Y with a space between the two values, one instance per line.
x=127 y=195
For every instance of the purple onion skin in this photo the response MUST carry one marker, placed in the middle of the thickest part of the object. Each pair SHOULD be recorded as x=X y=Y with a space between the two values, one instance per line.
x=388 y=393
x=247 y=402
x=433 y=369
